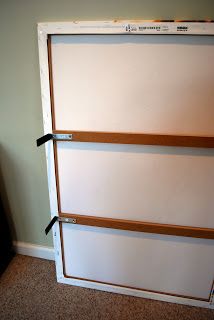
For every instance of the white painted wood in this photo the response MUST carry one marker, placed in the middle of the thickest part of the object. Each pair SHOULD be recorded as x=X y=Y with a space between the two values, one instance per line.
x=136 y=293
x=125 y=26
x=34 y=250
x=152 y=84
x=47 y=122
x=175 y=265
x=156 y=184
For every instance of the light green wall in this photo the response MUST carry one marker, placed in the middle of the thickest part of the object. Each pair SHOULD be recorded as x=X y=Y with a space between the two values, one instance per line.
x=23 y=165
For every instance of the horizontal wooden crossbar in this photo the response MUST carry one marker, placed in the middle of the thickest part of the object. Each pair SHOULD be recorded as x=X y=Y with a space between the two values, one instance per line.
x=140 y=138
x=140 y=226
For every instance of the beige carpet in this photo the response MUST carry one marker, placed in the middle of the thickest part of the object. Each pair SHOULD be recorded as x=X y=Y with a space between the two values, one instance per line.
x=28 y=290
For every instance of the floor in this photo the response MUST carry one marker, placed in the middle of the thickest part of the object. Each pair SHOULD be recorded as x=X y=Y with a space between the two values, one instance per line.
x=28 y=290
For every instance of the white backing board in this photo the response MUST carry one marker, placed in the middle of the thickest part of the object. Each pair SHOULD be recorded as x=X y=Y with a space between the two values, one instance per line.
x=175 y=265
x=152 y=84
x=155 y=184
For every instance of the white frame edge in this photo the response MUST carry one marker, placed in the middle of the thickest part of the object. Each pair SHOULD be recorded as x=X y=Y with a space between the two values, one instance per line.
x=47 y=122
x=100 y=27
x=136 y=292
x=126 y=26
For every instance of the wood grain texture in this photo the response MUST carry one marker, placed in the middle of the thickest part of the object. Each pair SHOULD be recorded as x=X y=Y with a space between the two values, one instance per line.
x=140 y=138
x=140 y=226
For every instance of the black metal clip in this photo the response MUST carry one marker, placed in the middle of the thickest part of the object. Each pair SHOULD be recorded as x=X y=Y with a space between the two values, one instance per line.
x=50 y=225
x=58 y=136
x=44 y=139
x=60 y=219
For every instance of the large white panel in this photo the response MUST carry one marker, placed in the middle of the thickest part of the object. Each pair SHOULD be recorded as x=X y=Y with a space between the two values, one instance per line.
x=175 y=265
x=160 y=84
x=156 y=184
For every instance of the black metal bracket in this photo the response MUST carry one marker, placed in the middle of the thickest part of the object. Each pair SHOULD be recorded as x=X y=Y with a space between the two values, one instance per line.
x=60 y=219
x=51 y=136
x=44 y=139
x=50 y=225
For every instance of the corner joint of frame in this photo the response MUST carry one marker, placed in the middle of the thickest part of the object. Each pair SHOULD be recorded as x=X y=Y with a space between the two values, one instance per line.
x=41 y=31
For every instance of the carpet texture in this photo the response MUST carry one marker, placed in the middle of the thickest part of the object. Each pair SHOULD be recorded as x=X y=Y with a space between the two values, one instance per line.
x=28 y=290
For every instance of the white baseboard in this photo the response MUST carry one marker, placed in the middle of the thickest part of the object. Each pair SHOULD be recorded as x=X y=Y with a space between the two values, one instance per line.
x=34 y=250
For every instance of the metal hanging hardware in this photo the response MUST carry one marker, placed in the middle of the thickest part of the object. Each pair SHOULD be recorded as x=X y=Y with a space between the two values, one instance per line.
x=53 y=136
x=60 y=219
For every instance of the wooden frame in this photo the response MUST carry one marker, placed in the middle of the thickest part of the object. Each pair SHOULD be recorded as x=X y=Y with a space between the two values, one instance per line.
x=139 y=138
x=145 y=290
x=141 y=226
x=110 y=27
